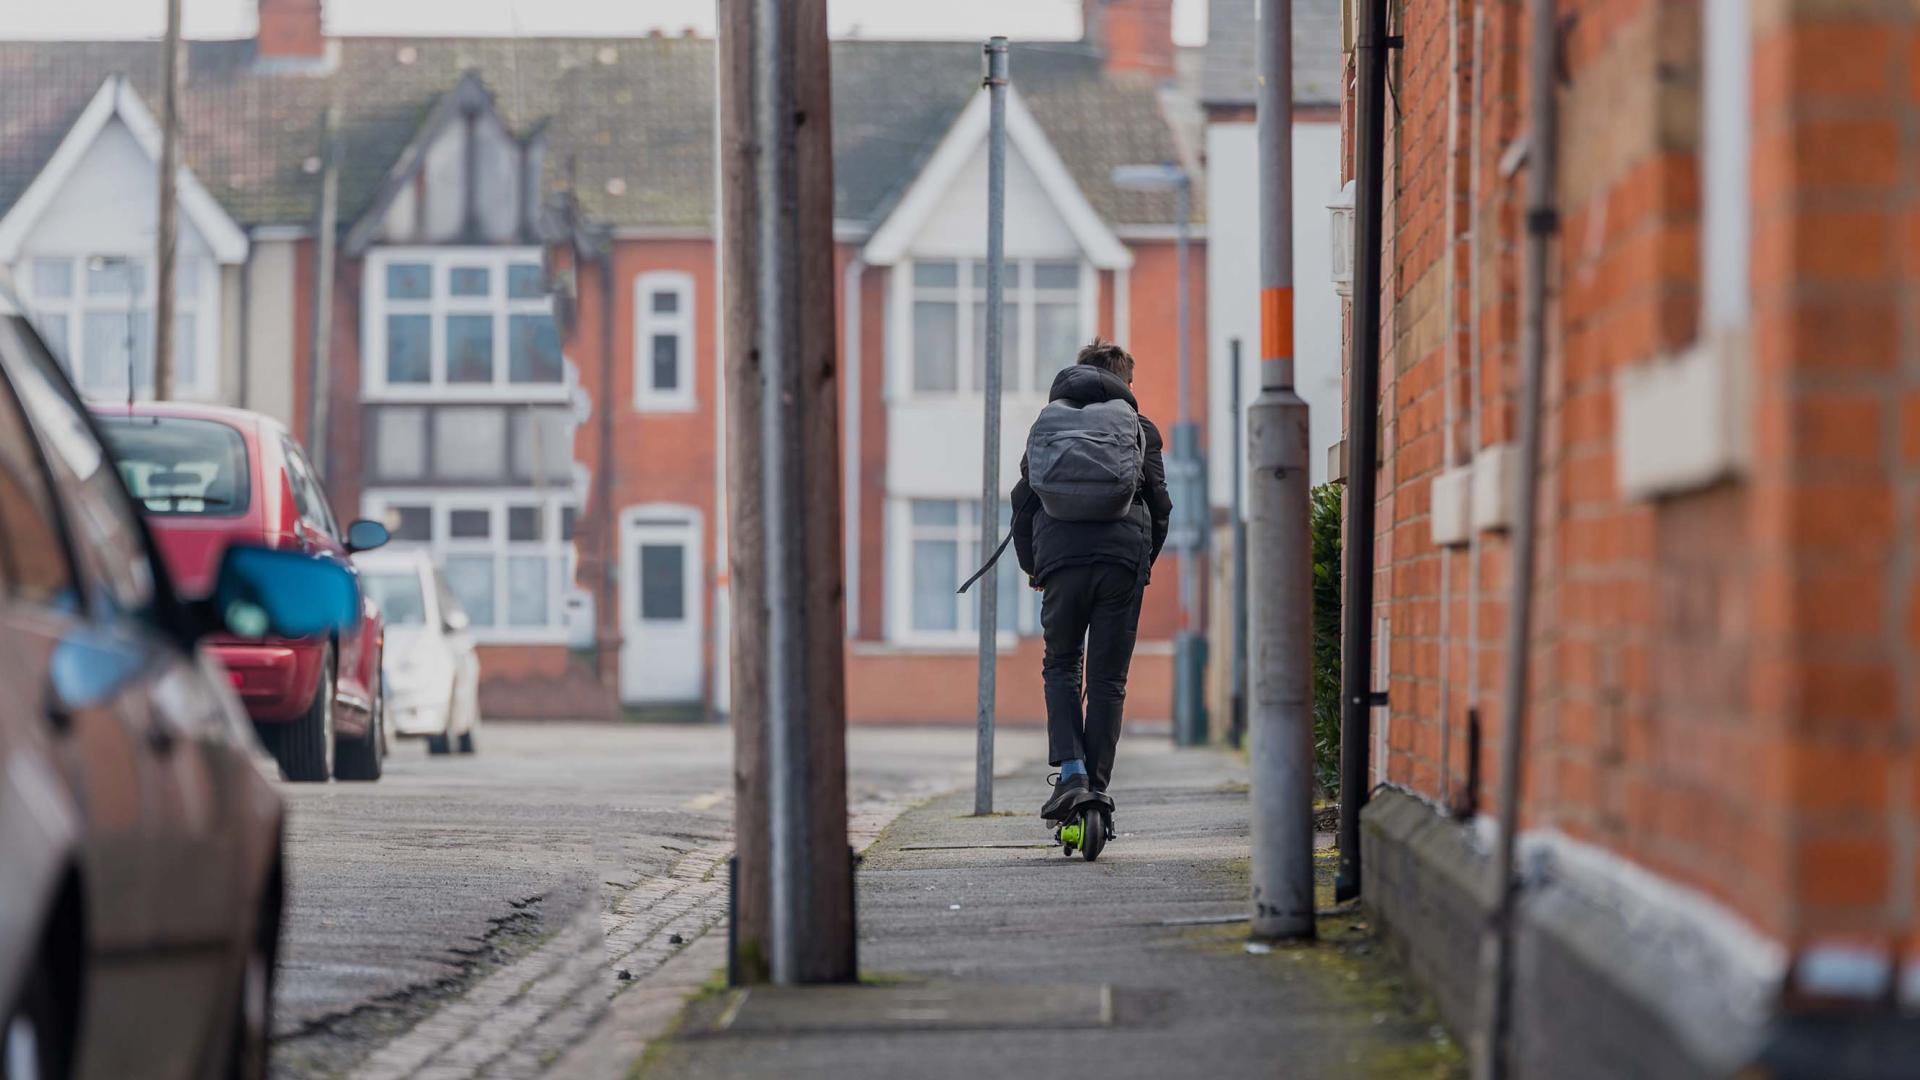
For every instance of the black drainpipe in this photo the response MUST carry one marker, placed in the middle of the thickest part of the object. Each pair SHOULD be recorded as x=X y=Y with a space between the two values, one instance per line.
x=1363 y=421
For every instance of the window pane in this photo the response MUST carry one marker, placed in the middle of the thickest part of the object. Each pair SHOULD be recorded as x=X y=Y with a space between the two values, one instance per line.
x=53 y=331
x=1056 y=339
x=113 y=276
x=103 y=356
x=471 y=579
x=52 y=279
x=936 y=512
x=1056 y=275
x=469 y=348
x=1009 y=277
x=936 y=275
x=469 y=524
x=663 y=582
x=527 y=590
x=525 y=282
x=535 y=354
x=666 y=302
x=470 y=443
x=409 y=348
x=542 y=445
x=568 y=516
x=468 y=281
x=935 y=346
x=409 y=281
x=1009 y=344
x=523 y=522
x=666 y=362
x=410 y=523
x=400 y=443
x=936 y=573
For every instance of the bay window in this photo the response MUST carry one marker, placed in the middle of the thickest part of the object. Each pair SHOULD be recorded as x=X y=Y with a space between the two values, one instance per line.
x=939 y=548
x=96 y=314
x=1046 y=317
x=461 y=322
x=507 y=556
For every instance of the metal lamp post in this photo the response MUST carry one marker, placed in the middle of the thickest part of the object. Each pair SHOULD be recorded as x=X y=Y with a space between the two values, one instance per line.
x=1185 y=472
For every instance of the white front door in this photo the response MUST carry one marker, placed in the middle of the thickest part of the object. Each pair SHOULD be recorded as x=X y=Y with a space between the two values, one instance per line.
x=661 y=605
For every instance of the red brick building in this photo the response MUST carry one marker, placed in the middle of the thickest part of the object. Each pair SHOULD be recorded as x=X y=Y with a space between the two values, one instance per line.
x=521 y=366
x=1719 y=794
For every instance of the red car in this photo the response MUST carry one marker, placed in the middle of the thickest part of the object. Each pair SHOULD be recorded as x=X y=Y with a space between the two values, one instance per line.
x=207 y=477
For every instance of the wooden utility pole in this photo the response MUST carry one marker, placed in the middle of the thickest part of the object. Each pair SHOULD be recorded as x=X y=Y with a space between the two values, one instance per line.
x=793 y=905
x=163 y=283
x=325 y=230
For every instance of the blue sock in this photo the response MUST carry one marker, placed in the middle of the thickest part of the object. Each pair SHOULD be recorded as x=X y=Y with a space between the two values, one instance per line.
x=1072 y=767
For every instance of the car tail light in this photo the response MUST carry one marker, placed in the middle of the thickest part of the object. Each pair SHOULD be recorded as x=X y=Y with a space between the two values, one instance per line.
x=237 y=679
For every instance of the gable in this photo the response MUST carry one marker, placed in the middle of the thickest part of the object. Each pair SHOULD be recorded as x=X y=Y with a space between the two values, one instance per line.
x=100 y=188
x=938 y=189
x=464 y=178
x=957 y=226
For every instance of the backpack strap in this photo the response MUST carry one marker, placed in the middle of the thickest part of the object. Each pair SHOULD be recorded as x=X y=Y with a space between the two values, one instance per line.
x=997 y=552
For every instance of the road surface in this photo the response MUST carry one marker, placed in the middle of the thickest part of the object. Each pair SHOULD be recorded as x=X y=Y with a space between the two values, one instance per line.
x=469 y=916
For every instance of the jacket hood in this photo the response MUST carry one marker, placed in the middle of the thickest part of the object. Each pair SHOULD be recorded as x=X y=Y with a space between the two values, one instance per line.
x=1087 y=384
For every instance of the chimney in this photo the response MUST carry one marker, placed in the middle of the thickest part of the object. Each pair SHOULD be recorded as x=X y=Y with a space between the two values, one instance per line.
x=1131 y=35
x=290 y=30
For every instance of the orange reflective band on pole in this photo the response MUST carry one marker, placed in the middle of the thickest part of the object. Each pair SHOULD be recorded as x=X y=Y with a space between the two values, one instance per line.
x=1276 y=323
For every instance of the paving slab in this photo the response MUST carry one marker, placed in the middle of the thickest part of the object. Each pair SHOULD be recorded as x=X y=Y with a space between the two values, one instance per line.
x=1143 y=950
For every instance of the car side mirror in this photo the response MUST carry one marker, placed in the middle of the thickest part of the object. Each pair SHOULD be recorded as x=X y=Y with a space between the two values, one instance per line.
x=364 y=535
x=455 y=621
x=270 y=592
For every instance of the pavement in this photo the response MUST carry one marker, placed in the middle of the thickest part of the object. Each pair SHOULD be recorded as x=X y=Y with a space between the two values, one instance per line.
x=984 y=952
x=474 y=915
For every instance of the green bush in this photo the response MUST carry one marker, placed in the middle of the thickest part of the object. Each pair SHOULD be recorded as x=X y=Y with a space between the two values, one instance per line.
x=1326 y=638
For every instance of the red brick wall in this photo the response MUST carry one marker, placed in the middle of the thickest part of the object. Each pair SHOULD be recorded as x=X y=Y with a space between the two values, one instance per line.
x=1722 y=685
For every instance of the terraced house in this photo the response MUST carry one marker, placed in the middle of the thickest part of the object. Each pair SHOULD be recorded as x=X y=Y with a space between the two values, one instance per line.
x=519 y=320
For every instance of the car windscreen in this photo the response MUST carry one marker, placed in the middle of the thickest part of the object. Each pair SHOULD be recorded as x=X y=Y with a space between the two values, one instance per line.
x=174 y=465
x=397 y=594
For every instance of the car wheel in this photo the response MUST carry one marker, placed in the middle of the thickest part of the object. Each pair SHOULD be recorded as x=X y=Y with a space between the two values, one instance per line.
x=253 y=1003
x=33 y=1042
x=361 y=759
x=443 y=742
x=466 y=741
x=305 y=747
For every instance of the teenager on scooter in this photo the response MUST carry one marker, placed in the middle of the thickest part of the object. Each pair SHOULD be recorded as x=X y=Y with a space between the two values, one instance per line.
x=1090 y=515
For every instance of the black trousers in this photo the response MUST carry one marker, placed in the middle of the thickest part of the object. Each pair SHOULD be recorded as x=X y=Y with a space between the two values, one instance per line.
x=1089 y=616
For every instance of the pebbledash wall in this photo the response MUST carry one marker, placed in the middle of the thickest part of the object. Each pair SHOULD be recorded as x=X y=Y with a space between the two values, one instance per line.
x=1721 y=796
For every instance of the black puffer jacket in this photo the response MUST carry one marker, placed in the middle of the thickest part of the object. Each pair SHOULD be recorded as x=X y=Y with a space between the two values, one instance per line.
x=1045 y=544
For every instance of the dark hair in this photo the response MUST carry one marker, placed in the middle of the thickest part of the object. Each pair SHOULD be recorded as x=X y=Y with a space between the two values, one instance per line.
x=1108 y=357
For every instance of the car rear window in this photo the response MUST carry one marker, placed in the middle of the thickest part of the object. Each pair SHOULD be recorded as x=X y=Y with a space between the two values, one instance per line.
x=174 y=465
x=398 y=596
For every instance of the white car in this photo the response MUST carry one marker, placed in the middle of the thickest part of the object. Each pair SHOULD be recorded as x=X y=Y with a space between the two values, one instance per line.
x=431 y=672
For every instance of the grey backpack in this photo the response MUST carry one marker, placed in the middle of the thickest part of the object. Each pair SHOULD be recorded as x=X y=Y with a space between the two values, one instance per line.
x=1085 y=461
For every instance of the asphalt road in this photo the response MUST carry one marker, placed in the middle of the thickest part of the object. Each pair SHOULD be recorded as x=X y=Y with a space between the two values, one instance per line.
x=414 y=899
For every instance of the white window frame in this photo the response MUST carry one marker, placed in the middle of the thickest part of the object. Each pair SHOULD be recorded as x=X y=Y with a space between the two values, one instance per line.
x=442 y=261
x=648 y=324
x=560 y=554
x=968 y=378
x=1682 y=422
x=901 y=535
x=199 y=273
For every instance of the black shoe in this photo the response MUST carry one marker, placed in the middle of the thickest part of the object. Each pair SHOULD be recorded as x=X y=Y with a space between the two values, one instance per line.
x=1068 y=793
